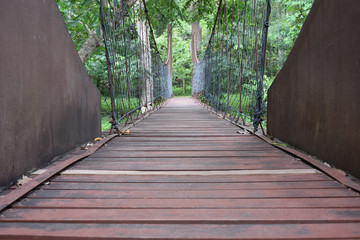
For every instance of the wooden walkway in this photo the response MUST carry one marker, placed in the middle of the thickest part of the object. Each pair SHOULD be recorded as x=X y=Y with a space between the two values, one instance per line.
x=183 y=173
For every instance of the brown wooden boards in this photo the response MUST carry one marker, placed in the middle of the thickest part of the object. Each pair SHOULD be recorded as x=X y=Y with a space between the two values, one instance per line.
x=173 y=203
x=183 y=173
x=180 y=231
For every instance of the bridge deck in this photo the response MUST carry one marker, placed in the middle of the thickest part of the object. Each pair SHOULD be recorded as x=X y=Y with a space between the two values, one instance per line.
x=183 y=173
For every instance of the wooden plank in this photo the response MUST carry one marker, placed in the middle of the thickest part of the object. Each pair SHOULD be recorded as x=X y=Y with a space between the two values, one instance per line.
x=189 y=160
x=257 y=203
x=228 y=216
x=180 y=231
x=192 y=186
x=205 y=144
x=163 y=166
x=187 y=179
x=239 y=139
x=208 y=154
x=188 y=147
x=193 y=194
x=190 y=134
x=195 y=127
x=185 y=173
x=133 y=138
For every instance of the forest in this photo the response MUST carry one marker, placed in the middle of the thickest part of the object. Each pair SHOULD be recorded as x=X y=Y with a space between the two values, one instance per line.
x=83 y=22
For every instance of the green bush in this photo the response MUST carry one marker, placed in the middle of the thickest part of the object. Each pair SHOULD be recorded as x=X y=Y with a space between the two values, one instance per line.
x=105 y=122
x=179 y=91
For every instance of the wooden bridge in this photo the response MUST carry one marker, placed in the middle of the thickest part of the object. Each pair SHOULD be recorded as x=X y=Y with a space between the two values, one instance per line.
x=184 y=173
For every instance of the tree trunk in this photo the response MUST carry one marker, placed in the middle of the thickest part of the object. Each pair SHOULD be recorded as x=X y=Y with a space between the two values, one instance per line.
x=93 y=41
x=195 y=41
x=195 y=47
x=169 y=62
x=89 y=46
x=130 y=3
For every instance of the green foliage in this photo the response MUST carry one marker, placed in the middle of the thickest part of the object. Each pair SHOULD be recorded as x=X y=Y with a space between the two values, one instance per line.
x=164 y=12
x=106 y=110
x=105 y=113
x=105 y=105
x=201 y=10
x=181 y=51
x=105 y=123
x=178 y=91
x=176 y=12
x=97 y=70
x=79 y=14
x=286 y=20
x=181 y=54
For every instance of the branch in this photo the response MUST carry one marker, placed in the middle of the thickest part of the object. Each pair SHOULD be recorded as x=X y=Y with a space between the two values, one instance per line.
x=87 y=28
x=130 y=3
x=85 y=25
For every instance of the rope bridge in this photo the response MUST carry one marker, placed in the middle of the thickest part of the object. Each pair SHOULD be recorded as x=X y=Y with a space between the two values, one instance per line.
x=230 y=76
x=138 y=78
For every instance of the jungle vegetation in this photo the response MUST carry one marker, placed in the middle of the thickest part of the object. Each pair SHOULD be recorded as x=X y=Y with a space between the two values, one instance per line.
x=83 y=23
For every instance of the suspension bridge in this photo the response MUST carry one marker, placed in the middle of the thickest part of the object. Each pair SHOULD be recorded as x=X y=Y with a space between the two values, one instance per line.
x=186 y=167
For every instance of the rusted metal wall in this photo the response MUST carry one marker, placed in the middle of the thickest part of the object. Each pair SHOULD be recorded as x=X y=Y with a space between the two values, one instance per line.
x=314 y=100
x=48 y=103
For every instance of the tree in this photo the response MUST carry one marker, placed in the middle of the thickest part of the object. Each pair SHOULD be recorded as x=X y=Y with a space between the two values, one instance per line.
x=82 y=18
x=83 y=23
x=287 y=18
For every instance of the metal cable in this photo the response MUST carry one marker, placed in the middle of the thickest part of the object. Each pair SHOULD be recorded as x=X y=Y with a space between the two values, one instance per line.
x=137 y=75
x=230 y=76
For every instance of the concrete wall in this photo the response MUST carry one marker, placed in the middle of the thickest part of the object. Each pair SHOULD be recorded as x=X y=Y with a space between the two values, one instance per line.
x=48 y=103
x=314 y=102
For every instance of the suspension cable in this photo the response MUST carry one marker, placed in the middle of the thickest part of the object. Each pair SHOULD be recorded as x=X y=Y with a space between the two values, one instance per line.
x=133 y=62
x=237 y=94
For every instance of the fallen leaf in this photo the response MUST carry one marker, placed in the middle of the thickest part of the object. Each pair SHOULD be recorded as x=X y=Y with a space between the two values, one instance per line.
x=22 y=181
x=326 y=164
x=341 y=172
x=242 y=132
x=279 y=144
x=98 y=139
x=126 y=132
